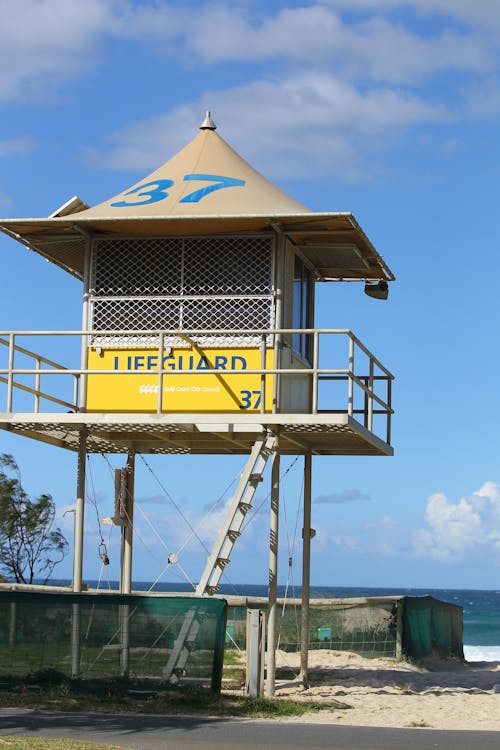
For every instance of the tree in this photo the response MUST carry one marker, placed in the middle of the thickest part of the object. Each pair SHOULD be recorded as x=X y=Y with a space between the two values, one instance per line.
x=29 y=545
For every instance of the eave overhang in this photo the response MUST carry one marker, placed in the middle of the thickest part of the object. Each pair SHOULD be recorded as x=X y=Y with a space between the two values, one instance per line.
x=334 y=243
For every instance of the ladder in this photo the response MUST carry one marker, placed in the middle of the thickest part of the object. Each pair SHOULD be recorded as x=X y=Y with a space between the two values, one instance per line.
x=262 y=450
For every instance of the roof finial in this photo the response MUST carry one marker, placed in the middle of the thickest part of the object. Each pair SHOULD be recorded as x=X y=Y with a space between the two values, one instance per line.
x=208 y=123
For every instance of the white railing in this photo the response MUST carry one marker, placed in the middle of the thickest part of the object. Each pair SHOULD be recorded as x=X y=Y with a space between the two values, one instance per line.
x=57 y=387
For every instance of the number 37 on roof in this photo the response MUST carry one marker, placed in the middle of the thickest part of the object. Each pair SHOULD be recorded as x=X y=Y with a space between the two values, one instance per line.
x=157 y=190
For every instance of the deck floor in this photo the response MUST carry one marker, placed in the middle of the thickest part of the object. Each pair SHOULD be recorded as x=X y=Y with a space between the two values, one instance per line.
x=320 y=434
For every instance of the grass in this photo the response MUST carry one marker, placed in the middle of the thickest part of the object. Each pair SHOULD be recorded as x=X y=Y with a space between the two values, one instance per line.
x=168 y=703
x=51 y=689
x=234 y=672
x=419 y=724
x=39 y=743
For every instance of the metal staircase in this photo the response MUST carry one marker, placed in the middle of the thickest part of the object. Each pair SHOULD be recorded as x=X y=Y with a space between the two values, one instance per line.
x=262 y=450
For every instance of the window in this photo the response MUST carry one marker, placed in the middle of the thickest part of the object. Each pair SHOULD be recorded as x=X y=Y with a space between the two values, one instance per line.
x=301 y=309
x=198 y=283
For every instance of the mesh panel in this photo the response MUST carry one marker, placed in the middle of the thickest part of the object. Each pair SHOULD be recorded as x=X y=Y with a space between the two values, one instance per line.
x=181 y=283
x=134 y=314
x=432 y=627
x=37 y=629
x=367 y=629
x=235 y=312
x=229 y=265
x=132 y=267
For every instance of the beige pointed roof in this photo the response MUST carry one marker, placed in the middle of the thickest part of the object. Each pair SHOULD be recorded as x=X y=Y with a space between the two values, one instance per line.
x=206 y=178
x=206 y=188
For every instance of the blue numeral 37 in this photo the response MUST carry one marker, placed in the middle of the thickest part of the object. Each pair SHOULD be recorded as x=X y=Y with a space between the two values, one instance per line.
x=250 y=399
x=157 y=190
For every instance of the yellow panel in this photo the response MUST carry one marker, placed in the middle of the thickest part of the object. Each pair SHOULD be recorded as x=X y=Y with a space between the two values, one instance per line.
x=198 y=392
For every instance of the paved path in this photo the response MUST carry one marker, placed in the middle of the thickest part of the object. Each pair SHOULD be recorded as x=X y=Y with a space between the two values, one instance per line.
x=143 y=732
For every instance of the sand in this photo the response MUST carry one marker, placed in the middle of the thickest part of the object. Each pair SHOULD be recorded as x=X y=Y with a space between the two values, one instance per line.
x=438 y=694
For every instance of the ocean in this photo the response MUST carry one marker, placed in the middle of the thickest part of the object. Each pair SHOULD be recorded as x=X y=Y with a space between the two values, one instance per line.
x=481 y=609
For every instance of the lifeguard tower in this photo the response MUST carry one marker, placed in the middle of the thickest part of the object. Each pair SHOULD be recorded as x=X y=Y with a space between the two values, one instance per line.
x=198 y=336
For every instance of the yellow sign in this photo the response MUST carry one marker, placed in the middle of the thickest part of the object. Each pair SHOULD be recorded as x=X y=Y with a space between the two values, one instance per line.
x=195 y=380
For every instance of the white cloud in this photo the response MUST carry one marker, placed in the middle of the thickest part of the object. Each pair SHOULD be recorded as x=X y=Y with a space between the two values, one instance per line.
x=208 y=526
x=316 y=35
x=477 y=13
x=454 y=529
x=371 y=48
x=15 y=146
x=346 y=496
x=483 y=99
x=382 y=538
x=335 y=124
x=345 y=88
x=47 y=41
x=65 y=519
x=386 y=537
x=6 y=202
x=146 y=143
x=347 y=543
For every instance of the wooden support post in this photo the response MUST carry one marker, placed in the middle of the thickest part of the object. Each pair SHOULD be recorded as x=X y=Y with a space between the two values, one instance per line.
x=128 y=531
x=254 y=684
x=126 y=565
x=78 y=553
x=399 y=628
x=307 y=533
x=273 y=574
x=79 y=513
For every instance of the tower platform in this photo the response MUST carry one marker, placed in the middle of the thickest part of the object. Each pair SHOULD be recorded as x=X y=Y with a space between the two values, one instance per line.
x=322 y=434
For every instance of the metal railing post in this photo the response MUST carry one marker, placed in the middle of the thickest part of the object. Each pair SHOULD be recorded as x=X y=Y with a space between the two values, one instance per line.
x=277 y=374
x=389 y=410
x=161 y=345
x=76 y=392
x=263 y=375
x=370 y=397
x=365 y=402
x=84 y=363
x=10 y=375
x=37 y=386
x=315 y=379
x=350 y=385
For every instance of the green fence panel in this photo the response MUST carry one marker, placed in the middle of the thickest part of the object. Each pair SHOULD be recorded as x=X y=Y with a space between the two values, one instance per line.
x=107 y=637
x=366 y=628
x=432 y=628
x=429 y=626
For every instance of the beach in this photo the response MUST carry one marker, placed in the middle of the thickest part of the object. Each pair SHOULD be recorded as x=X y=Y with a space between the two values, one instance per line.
x=383 y=692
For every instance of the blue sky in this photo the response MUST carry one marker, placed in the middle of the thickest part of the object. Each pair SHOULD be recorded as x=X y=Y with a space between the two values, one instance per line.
x=385 y=108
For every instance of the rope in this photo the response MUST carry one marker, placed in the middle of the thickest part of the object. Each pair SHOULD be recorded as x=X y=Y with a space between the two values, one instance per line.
x=102 y=548
x=169 y=562
x=194 y=529
x=169 y=496
x=103 y=566
x=207 y=514
x=253 y=515
x=92 y=498
x=291 y=550
x=153 y=529
x=184 y=576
